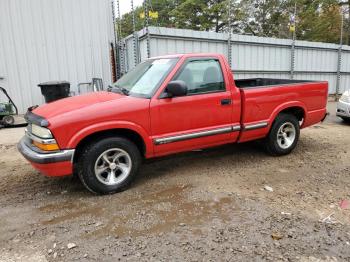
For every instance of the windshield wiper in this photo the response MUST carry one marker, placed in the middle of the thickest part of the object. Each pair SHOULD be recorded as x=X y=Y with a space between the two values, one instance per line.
x=121 y=89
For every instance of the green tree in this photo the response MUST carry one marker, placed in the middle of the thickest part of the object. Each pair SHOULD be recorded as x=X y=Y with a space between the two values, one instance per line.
x=126 y=22
x=200 y=15
x=269 y=18
x=317 y=20
x=163 y=7
x=211 y=15
x=346 y=9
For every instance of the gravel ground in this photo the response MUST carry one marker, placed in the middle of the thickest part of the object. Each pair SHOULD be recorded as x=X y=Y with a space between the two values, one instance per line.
x=231 y=203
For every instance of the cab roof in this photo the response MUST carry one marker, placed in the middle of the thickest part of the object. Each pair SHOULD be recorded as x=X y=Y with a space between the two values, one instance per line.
x=188 y=55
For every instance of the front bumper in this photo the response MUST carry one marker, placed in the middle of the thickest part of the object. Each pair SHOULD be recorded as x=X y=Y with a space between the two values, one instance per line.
x=343 y=109
x=58 y=163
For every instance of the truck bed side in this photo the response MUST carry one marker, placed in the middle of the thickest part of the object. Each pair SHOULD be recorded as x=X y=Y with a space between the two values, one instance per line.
x=261 y=105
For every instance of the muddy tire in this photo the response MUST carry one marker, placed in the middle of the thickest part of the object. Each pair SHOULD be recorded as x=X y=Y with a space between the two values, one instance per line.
x=283 y=136
x=108 y=166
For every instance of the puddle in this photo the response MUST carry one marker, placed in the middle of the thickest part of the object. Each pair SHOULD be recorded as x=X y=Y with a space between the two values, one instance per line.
x=71 y=210
x=152 y=213
x=318 y=127
x=73 y=215
x=148 y=216
x=70 y=205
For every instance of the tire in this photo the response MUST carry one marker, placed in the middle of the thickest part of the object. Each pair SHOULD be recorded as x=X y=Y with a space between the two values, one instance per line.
x=283 y=136
x=346 y=120
x=108 y=166
x=8 y=120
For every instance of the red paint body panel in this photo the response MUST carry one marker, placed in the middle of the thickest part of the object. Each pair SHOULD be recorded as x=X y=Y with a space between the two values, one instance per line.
x=191 y=114
x=73 y=119
x=264 y=104
x=55 y=169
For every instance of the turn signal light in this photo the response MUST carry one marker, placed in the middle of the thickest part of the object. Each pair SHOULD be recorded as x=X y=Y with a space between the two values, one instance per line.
x=46 y=147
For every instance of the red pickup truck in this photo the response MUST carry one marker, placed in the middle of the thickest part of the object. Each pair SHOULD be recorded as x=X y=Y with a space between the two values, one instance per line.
x=166 y=105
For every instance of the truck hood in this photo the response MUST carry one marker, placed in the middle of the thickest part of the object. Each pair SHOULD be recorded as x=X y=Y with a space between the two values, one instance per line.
x=72 y=104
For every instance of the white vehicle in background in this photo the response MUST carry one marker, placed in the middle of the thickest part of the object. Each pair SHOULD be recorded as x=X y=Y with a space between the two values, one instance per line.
x=343 y=106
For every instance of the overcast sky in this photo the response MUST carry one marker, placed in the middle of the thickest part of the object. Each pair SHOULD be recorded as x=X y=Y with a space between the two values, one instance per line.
x=125 y=5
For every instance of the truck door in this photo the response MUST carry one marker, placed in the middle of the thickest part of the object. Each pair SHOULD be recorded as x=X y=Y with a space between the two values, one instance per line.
x=201 y=118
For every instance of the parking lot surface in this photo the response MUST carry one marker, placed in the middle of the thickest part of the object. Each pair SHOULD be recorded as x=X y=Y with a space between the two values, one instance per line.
x=230 y=203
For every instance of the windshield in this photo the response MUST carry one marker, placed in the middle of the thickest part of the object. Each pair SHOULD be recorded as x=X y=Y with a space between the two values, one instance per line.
x=146 y=77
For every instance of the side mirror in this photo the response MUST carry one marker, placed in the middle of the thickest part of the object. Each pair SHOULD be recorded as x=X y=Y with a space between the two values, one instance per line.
x=176 y=88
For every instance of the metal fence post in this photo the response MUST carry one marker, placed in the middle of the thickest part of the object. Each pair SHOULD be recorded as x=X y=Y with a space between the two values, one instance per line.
x=292 y=60
x=229 y=48
x=115 y=69
x=148 y=40
x=120 y=56
x=135 y=36
x=292 y=51
x=337 y=88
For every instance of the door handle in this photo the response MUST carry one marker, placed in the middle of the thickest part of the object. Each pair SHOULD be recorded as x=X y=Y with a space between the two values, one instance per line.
x=226 y=102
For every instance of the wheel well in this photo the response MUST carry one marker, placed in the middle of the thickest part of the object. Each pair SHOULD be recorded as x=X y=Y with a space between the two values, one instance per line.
x=298 y=112
x=126 y=133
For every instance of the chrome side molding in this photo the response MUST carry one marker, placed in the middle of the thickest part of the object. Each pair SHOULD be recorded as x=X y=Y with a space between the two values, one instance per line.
x=211 y=132
x=217 y=131
x=255 y=126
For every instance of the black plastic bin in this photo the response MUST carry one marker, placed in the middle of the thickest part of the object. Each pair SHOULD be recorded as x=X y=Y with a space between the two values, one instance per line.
x=53 y=91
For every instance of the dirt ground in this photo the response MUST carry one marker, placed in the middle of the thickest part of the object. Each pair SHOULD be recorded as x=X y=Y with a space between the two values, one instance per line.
x=210 y=205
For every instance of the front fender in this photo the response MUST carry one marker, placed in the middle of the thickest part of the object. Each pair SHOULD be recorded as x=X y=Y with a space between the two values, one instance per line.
x=109 y=125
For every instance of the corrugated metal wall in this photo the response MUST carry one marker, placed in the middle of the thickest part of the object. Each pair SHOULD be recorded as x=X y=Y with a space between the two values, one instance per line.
x=252 y=56
x=45 y=40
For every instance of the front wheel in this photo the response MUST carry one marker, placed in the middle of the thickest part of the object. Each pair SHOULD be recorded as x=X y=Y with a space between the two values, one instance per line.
x=283 y=136
x=109 y=165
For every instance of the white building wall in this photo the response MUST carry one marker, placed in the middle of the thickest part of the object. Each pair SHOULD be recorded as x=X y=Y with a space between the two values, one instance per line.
x=48 y=40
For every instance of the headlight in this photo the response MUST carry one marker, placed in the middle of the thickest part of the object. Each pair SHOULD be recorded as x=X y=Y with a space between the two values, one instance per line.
x=42 y=138
x=41 y=132
x=345 y=97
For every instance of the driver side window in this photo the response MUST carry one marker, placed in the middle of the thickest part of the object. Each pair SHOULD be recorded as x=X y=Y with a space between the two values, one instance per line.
x=202 y=76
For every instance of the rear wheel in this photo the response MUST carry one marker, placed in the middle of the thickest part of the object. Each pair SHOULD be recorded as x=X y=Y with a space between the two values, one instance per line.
x=283 y=136
x=108 y=166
